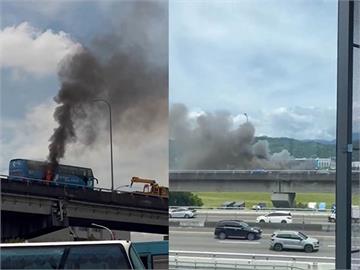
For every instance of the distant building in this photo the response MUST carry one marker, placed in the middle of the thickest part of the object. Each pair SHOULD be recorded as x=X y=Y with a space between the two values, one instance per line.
x=312 y=164
x=323 y=163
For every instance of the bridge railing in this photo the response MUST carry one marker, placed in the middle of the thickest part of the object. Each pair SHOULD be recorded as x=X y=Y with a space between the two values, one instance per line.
x=30 y=181
x=254 y=171
x=314 y=171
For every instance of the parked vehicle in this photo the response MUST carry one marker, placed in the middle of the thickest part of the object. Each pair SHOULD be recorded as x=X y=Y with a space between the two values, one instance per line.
x=275 y=217
x=239 y=205
x=293 y=240
x=151 y=187
x=233 y=205
x=259 y=206
x=70 y=255
x=236 y=229
x=227 y=204
x=182 y=212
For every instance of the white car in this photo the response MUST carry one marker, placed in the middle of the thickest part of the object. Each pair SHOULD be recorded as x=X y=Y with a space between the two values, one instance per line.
x=275 y=217
x=182 y=212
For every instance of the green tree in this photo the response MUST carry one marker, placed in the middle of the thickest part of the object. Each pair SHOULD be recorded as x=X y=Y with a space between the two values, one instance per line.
x=184 y=199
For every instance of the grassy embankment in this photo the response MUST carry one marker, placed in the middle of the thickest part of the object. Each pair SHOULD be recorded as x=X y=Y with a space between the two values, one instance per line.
x=215 y=199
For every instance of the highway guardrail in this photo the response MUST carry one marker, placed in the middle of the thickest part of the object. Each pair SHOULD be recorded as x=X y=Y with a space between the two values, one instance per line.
x=222 y=260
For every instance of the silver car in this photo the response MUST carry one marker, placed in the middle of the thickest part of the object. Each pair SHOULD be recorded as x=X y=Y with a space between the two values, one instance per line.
x=293 y=240
x=182 y=212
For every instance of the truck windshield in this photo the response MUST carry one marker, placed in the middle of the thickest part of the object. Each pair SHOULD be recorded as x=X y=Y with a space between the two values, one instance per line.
x=31 y=257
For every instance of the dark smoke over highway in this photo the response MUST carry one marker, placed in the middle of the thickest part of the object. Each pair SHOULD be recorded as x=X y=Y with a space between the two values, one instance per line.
x=211 y=141
x=126 y=65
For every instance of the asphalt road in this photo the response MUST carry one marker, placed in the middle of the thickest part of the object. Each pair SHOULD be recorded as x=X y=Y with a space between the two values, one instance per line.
x=302 y=217
x=202 y=240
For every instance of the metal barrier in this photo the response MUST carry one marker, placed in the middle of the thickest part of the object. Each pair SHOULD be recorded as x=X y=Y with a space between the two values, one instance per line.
x=29 y=181
x=182 y=262
x=225 y=260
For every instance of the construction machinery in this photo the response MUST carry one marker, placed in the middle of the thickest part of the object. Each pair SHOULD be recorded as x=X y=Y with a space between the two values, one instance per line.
x=151 y=187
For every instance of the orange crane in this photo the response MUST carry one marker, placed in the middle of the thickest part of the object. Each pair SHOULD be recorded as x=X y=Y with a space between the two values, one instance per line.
x=151 y=187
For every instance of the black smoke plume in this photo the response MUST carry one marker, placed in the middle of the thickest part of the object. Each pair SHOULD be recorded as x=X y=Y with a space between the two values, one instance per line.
x=210 y=141
x=127 y=67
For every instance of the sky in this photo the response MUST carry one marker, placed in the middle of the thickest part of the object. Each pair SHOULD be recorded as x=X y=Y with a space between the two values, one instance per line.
x=36 y=38
x=274 y=60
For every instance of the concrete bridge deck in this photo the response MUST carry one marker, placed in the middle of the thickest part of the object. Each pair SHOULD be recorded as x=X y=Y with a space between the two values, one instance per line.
x=257 y=180
x=29 y=209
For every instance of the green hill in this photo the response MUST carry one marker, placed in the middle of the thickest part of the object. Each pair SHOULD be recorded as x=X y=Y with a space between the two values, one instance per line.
x=300 y=149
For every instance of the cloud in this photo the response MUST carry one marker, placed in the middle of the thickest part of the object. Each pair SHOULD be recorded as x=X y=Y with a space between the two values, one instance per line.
x=28 y=138
x=297 y=122
x=234 y=54
x=25 y=48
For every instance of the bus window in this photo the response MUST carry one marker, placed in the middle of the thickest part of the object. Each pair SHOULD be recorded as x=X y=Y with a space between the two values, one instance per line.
x=96 y=257
x=31 y=257
x=137 y=263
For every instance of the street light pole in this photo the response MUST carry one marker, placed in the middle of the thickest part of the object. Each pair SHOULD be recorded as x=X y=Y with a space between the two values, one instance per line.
x=111 y=144
x=106 y=228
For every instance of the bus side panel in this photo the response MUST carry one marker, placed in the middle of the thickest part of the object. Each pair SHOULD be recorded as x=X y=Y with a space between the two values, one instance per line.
x=18 y=167
x=69 y=180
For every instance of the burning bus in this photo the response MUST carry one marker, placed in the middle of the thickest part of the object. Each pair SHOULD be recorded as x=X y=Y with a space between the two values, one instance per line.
x=59 y=174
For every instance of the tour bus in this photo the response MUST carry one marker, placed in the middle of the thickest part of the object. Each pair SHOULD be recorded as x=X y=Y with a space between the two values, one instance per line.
x=70 y=255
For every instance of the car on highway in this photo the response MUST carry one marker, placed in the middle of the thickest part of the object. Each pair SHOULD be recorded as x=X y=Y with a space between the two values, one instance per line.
x=275 y=217
x=332 y=217
x=236 y=229
x=182 y=212
x=293 y=240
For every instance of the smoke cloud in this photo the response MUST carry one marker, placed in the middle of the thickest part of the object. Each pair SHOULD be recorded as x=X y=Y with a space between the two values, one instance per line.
x=128 y=68
x=210 y=141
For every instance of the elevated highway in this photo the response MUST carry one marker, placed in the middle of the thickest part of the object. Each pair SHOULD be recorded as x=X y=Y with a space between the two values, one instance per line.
x=256 y=180
x=29 y=209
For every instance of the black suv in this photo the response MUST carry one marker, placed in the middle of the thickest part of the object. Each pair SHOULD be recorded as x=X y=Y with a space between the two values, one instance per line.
x=236 y=229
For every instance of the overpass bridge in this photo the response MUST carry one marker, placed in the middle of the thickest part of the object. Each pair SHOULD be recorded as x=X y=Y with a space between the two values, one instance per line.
x=257 y=180
x=30 y=209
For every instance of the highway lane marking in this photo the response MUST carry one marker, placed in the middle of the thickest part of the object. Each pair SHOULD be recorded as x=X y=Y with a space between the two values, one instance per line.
x=264 y=234
x=237 y=242
x=188 y=232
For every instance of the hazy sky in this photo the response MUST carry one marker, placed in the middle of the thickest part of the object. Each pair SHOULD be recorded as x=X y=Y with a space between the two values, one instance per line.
x=35 y=38
x=273 y=59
